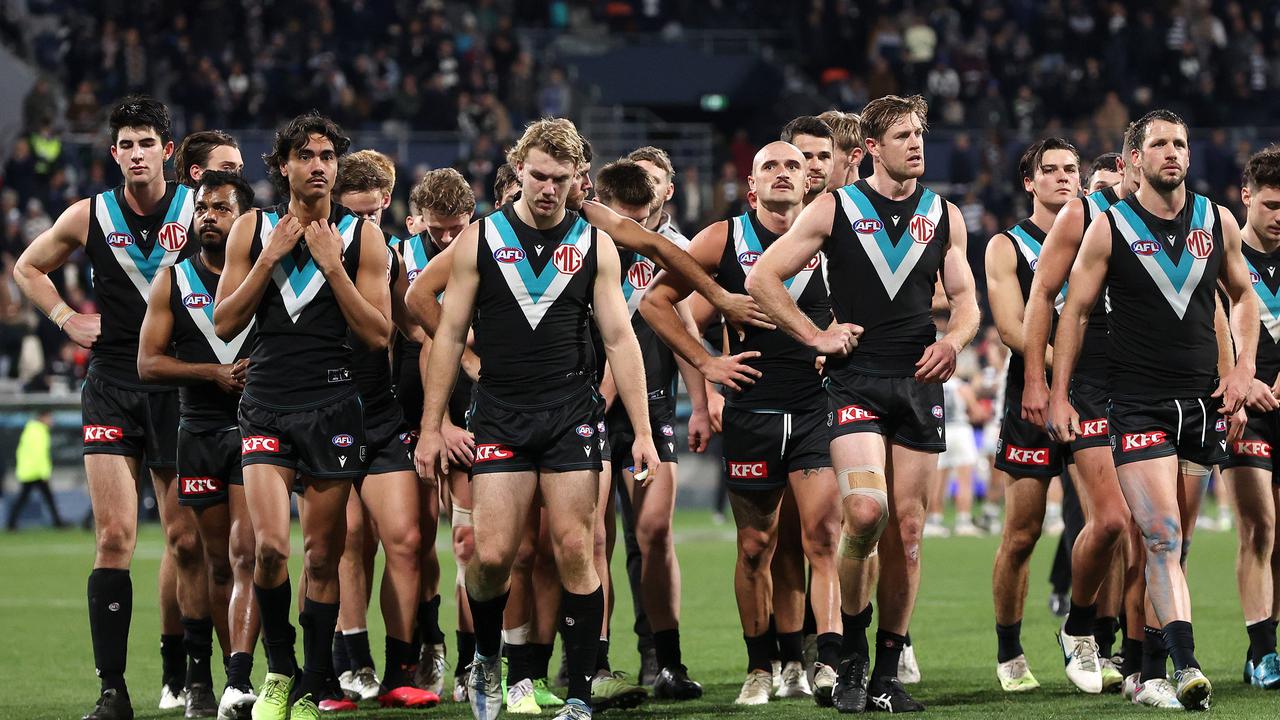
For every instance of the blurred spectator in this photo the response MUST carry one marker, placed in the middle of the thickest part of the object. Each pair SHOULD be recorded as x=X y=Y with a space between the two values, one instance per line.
x=34 y=467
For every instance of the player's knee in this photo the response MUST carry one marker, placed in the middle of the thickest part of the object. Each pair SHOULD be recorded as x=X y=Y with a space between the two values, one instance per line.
x=404 y=547
x=573 y=545
x=865 y=499
x=821 y=540
x=464 y=546
x=1257 y=538
x=754 y=550
x=910 y=528
x=1020 y=541
x=115 y=542
x=654 y=534
x=220 y=570
x=1109 y=525
x=187 y=550
x=321 y=561
x=272 y=557
x=1163 y=541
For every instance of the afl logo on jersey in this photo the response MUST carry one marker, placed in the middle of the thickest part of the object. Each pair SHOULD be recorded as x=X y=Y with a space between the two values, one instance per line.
x=1035 y=262
x=343 y=440
x=1254 y=277
x=640 y=275
x=585 y=431
x=866 y=226
x=413 y=275
x=567 y=259
x=195 y=301
x=748 y=258
x=921 y=229
x=119 y=239
x=1200 y=244
x=508 y=255
x=172 y=237
x=1145 y=247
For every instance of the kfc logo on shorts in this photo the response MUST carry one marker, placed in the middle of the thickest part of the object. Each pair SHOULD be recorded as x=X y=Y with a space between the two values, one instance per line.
x=854 y=413
x=1142 y=441
x=119 y=240
x=937 y=411
x=667 y=430
x=748 y=258
x=585 y=431
x=1252 y=448
x=200 y=485
x=640 y=275
x=172 y=237
x=195 y=301
x=921 y=229
x=259 y=443
x=1026 y=456
x=491 y=451
x=567 y=259
x=102 y=433
x=508 y=255
x=758 y=470
x=1200 y=244
x=1093 y=428
x=1221 y=425
x=342 y=440
x=867 y=226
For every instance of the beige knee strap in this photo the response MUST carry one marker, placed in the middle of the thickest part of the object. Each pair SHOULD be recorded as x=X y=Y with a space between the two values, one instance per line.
x=1194 y=469
x=461 y=517
x=866 y=481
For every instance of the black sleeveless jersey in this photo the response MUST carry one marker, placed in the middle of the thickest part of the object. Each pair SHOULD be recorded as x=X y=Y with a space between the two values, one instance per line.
x=417 y=250
x=126 y=250
x=1161 y=282
x=1027 y=239
x=659 y=361
x=1092 y=364
x=301 y=355
x=883 y=259
x=789 y=380
x=533 y=307
x=203 y=406
x=1263 y=272
x=372 y=368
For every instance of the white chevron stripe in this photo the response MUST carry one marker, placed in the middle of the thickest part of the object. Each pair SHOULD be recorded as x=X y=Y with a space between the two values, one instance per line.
x=1178 y=299
x=891 y=279
x=226 y=352
x=122 y=256
x=533 y=311
x=295 y=302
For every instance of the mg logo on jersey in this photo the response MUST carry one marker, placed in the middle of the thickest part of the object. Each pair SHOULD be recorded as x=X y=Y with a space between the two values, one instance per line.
x=508 y=255
x=585 y=431
x=102 y=433
x=172 y=237
x=1093 y=428
x=1200 y=244
x=748 y=258
x=758 y=470
x=119 y=239
x=259 y=443
x=640 y=275
x=1252 y=448
x=196 y=301
x=921 y=228
x=488 y=452
x=1145 y=247
x=854 y=413
x=342 y=440
x=1026 y=456
x=1142 y=441
x=867 y=226
x=200 y=485
x=567 y=259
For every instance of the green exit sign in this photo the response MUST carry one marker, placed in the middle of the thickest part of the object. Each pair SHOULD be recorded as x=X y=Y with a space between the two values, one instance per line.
x=714 y=103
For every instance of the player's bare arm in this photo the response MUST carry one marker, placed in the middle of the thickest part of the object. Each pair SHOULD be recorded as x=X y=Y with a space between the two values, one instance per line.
x=1003 y=293
x=939 y=359
x=365 y=303
x=1088 y=275
x=399 y=312
x=1059 y=250
x=49 y=251
x=1233 y=388
x=156 y=365
x=244 y=281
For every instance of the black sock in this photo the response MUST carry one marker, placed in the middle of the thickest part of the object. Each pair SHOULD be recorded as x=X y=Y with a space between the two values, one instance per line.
x=358 y=652
x=1132 y=654
x=1262 y=640
x=197 y=640
x=466 y=651
x=486 y=617
x=908 y=637
x=1104 y=633
x=666 y=644
x=110 y=610
x=341 y=658
x=581 y=618
x=602 y=655
x=240 y=670
x=775 y=653
x=1080 y=619
x=1154 y=654
x=173 y=662
x=829 y=649
x=888 y=652
x=539 y=660
x=1181 y=643
x=791 y=647
x=855 y=633
x=402 y=660
x=429 y=622
x=517 y=663
x=278 y=635
x=759 y=652
x=1008 y=641
x=318 y=621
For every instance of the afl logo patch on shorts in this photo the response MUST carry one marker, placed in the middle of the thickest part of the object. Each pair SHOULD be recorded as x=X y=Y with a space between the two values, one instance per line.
x=407 y=438
x=667 y=430
x=119 y=240
x=1221 y=425
x=508 y=255
x=342 y=440
x=195 y=301
x=937 y=411
x=866 y=226
x=585 y=430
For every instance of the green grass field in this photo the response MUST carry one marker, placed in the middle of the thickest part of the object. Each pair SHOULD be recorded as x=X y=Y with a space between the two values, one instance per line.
x=46 y=661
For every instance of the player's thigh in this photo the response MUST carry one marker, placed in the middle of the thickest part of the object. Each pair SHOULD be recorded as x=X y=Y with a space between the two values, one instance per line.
x=266 y=492
x=756 y=514
x=499 y=502
x=323 y=515
x=392 y=500
x=1254 y=494
x=909 y=473
x=1025 y=500
x=572 y=498
x=1152 y=490
x=655 y=503
x=1094 y=474
x=859 y=450
x=214 y=524
x=113 y=494
x=818 y=502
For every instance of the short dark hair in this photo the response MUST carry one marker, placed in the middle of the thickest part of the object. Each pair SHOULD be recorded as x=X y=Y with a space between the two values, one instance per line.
x=880 y=114
x=140 y=111
x=1032 y=156
x=214 y=179
x=806 y=125
x=1110 y=162
x=294 y=136
x=1263 y=169
x=1137 y=132
x=503 y=179
x=195 y=150
x=624 y=181
x=655 y=155
x=586 y=149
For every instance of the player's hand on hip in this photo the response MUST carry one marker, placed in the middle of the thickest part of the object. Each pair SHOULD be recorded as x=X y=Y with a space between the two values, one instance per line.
x=1063 y=424
x=838 y=339
x=431 y=458
x=1260 y=398
x=460 y=444
x=644 y=458
x=326 y=246
x=83 y=328
x=699 y=430
x=1233 y=389
x=1035 y=403
x=731 y=370
x=937 y=364
x=283 y=238
x=741 y=310
x=227 y=380
x=1236 y=425
x=240 y=369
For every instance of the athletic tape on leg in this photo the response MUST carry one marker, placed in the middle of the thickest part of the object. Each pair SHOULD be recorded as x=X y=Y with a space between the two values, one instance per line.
x=865 y=481
x=1193 y=469
x=461 y=517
